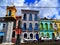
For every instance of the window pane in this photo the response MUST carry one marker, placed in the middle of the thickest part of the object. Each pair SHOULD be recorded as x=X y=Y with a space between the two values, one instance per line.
x=51 y=26
x=25 y=35
x=3 y=25
x=35 y=18
x=30 y=17
x=41 y=26
x=24 y=26
x=9 y=13
x=46 y=26
x=25 y=17
x=48 y=35
x=36 y=26
x=31 y=36
x=30 y=26
x=42 y=34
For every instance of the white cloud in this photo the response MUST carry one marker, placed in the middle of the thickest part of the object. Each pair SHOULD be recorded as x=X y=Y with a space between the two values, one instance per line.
x=47 y=12
x=19 y=2
x=2 y=12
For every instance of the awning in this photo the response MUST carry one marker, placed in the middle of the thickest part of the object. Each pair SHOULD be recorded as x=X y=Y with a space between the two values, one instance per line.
x=1 y=33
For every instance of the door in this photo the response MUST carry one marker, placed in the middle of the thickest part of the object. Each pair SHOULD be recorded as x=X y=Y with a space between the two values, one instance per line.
x=53 y=36
x=1 y=39
x=37 y=36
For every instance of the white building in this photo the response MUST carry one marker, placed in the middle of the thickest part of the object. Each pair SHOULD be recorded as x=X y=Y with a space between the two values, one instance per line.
x=29 y=23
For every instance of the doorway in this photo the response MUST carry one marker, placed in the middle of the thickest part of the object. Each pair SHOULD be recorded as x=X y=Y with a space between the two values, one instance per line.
x=1 y=39
x=53 y=36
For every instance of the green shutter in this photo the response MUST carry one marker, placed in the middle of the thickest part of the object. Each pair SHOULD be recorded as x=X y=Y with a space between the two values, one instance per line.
x=42 y=34
x=48 y=35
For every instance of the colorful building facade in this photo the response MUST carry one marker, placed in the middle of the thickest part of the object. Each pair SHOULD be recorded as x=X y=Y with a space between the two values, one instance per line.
x=29 y=24
x=46 y=28
x=57 y=27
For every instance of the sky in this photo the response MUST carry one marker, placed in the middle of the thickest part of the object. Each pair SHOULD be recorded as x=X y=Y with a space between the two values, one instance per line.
x=46 y=8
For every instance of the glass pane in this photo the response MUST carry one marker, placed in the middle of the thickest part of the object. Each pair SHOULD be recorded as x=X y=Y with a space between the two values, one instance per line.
x=25 y=17
x=9 y=13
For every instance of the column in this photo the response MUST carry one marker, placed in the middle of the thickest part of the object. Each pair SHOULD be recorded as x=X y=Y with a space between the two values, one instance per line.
x=9 y=32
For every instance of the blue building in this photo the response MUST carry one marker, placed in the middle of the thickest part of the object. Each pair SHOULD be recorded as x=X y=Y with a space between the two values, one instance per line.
x=46 y=28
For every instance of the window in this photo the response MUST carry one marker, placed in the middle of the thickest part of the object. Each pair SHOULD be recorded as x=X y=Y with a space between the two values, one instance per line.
x=42 y=34
x=48 y=35
x=25 y=17
x=41 y=26
x=3 y=25
x=24 y=26
x=31 y=36
x=36 y=26
x=30 y=17
x=14 y=25
x=59 y=25
x=9 y=13
x=13 y=34
x=25 y=35
x=19 y=24
x=51 y=26
x=30 y=26
x=35 y=18
x=46 y=26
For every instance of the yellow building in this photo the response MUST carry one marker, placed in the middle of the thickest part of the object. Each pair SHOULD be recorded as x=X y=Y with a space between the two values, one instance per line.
x=57 y=27
x=11 y=12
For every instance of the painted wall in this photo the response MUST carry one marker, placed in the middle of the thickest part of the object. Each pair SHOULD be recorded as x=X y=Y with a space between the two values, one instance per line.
x=49 y=27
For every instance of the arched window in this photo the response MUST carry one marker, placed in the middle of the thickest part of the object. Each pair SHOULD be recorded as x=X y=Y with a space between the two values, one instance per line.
x=35 y=17
x=51 y=26
x=36 y=26
x=25 y=35
x=9 y=13
x=30 y=26
x=42 y=34
x=13 y=34
x=30 y=17
x=48 y=35
x=25 y=17
x=24 y=26
x=46 y=26
x=19 y=24
x=4 y=25
x=41 y=26
x=31 y=36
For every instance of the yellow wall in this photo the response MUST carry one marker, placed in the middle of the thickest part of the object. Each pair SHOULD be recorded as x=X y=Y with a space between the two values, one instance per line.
x=13 y=14
x=58 y=25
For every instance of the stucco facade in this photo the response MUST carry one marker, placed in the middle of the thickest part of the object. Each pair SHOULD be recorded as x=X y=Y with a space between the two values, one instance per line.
x=29 y=23
x=46 y=28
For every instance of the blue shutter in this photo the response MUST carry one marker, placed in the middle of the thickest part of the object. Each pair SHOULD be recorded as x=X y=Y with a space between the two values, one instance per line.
x=36 y=26
x=25 y=17
x=24 y=26
x=30 y=26
x=30 y=17
x=36 y=18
